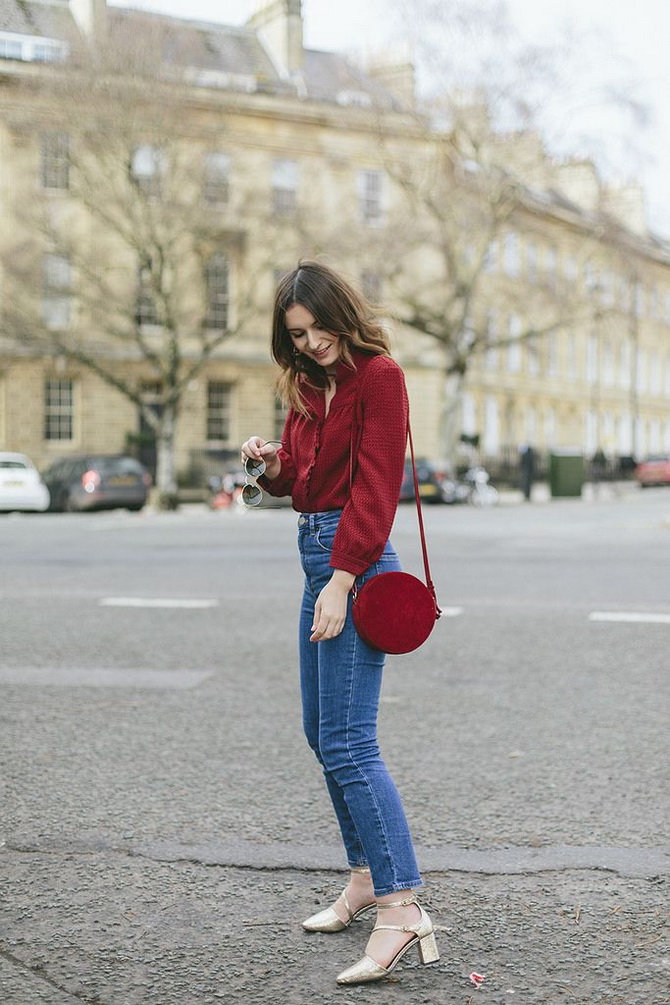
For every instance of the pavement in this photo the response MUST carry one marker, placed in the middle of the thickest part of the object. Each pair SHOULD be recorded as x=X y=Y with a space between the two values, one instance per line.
x=164 y=828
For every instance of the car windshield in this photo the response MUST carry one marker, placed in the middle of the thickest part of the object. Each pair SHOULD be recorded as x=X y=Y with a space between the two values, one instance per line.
x=13 y=464
x=116 y=465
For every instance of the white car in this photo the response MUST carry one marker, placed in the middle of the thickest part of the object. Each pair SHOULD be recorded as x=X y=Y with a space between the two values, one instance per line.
x=21 y=487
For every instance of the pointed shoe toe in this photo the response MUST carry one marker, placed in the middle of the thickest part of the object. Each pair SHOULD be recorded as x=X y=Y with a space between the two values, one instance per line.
x=329 y=921
x=363 y=972
x=324 y=921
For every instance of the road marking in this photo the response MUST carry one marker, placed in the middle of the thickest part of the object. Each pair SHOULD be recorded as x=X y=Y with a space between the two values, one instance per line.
x=103 y=677
x=171 y=602
x=631 y=617
x=451 y=612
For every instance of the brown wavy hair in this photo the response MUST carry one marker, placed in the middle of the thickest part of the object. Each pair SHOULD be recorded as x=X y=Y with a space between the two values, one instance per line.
x=339 y=309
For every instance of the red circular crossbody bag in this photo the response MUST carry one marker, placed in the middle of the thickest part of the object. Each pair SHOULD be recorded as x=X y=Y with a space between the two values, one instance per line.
x=395 y=612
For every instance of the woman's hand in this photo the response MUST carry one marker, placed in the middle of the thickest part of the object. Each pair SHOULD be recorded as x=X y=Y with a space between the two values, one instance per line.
x=330 y=611
x=257 y=448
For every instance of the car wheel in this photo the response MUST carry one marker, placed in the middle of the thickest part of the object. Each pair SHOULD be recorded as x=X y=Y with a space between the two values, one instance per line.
x=136 y=507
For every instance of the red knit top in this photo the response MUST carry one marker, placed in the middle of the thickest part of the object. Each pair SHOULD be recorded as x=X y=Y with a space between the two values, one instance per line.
x=315 y=457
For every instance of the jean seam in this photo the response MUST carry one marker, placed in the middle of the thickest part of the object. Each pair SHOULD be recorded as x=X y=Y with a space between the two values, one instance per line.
x=361 y=773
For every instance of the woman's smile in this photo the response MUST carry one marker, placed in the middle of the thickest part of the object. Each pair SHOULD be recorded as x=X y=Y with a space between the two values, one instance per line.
x=310 y=338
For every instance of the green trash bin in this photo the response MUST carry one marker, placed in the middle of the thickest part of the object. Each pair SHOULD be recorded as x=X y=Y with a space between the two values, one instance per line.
x=566 y=473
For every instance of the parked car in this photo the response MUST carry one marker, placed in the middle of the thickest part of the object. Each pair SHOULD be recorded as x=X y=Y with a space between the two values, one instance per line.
x=94 y=481
x=21 y=488
x=433 y=479
x=654 y=470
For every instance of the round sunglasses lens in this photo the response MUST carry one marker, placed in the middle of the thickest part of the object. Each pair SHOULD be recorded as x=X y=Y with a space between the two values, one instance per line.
x=254 y=468
x=251 y=495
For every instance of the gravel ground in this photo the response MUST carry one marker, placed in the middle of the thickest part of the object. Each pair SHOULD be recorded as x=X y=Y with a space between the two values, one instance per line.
x=119 y=930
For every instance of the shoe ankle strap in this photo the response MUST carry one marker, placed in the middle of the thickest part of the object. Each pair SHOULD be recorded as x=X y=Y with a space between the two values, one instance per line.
x=359 y=868
x=398 y=903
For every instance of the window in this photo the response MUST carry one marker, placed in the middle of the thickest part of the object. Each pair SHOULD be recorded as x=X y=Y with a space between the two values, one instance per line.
x=58 y=410
x=533 y=361
x=532 y=262
x=371 y=284
x=147 y=168
x=592 y=359
x=216 y=189
x=654 y=373
x=31 y=48
x=56 y=301
x=216 y=280
x=280 y=414
x=624 y=364
x=11 y=48
x=370 y=194
x=146 y=312
x=491 y=426
x=641 y=370
x=55 y=160
x=552 y=354
x=491 y=357
x=511 y=253
x=571 y=366
x=571 y=268
x=284 y=187
x=514 y=347
x=608 y=363
x=551 y=263
x=219 y=409
x=490 y=261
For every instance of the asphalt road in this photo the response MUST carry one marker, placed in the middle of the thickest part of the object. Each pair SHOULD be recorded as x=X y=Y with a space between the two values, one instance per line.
x=164 y=827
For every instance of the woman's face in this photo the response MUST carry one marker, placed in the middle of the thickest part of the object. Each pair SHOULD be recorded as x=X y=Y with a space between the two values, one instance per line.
x=310 y=338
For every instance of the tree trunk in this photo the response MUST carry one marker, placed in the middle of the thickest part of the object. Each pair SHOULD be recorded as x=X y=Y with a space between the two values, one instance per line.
x=166 y=481
x=450 y=424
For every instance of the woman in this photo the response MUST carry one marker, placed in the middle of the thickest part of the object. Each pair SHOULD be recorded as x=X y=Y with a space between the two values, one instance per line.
x=341 y=459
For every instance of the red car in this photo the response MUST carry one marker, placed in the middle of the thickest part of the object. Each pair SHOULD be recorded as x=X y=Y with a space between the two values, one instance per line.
x=654 y=470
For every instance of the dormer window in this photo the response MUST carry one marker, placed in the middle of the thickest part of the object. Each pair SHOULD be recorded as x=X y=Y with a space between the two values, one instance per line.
x=31 y=48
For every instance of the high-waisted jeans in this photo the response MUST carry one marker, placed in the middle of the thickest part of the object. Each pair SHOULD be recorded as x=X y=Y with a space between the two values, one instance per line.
x=341 y=683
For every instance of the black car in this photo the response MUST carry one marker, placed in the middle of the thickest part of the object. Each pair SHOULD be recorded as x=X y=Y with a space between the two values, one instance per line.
x=433 y=479
x=96 y=481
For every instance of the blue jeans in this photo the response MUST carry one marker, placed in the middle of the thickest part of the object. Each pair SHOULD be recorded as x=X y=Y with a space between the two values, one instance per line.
x=341 y=683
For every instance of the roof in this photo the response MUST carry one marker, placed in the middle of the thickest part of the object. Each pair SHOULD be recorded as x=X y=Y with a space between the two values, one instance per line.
x=221 y=55
x=47 y=20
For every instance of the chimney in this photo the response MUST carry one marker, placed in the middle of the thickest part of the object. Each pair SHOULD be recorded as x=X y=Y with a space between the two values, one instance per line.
x=279 y=26
x=578 y=181
x=394 y=70
x=627 y=204
x=90 y=17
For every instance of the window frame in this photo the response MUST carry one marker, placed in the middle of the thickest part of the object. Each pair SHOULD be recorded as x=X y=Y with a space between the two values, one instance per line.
x=59 y=414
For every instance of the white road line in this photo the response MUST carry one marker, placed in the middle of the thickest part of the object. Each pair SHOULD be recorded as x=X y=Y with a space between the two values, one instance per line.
x=631 y=617
x=451 y=612
x=170 y=602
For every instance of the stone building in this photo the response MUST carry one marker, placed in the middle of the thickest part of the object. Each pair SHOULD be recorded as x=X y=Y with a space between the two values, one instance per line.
x=289 y=153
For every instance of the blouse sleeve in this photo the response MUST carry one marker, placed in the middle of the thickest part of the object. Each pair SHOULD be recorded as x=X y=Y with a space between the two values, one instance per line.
x=282 y=485
x=369 y=513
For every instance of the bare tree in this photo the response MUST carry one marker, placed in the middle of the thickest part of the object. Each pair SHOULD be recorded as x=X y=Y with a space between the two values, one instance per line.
x=474 y=176
x=129 y=275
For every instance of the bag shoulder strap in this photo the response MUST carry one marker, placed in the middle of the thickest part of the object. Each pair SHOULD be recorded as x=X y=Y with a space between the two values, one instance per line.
x=419 y=513
x=355 y=432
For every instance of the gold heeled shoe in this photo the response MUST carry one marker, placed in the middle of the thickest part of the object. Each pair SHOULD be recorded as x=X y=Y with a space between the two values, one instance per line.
x=329 y=921
x=367 y=969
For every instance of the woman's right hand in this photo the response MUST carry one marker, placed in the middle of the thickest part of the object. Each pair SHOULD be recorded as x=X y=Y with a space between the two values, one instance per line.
x=256 y=448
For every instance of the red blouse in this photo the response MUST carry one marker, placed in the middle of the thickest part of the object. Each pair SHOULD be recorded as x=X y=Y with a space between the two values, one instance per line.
x=316 y=449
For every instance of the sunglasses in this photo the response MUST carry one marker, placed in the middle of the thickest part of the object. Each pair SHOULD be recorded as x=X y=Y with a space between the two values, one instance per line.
x=252 y=495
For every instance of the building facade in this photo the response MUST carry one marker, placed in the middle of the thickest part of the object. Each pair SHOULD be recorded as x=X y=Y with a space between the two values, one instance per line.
x=280 y=153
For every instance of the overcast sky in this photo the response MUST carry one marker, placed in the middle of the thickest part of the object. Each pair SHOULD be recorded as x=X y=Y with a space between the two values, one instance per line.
x=637 y=35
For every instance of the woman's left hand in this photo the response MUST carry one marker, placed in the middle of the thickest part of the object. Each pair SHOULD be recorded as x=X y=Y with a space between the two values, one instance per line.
x=330 y=611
